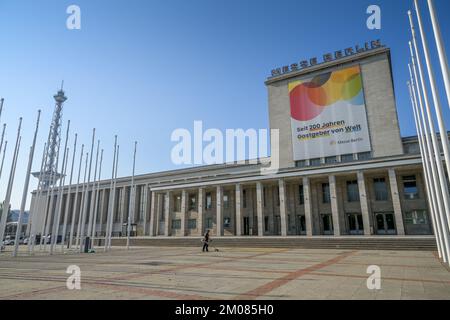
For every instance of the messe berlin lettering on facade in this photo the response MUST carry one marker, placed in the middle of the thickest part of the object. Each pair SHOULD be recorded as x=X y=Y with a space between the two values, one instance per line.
x=339 y=54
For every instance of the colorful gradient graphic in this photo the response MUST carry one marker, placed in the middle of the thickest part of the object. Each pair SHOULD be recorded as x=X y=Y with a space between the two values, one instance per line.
x=310 y=98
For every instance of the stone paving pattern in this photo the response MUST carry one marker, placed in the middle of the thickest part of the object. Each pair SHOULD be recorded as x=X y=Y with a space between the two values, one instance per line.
x=230 y=274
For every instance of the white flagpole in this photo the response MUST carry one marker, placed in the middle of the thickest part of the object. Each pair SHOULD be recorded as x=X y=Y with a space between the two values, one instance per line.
x=7 y=200
x=434 y=91
x=86 y=198
x=132 y=197
x=25 y=189
x=438 y=159
x=58 y=208
x=93 y=196
x=3 y=158
x=97 y=196
x=440 y=48
x=83 y=195
x=51 y=211
x=435 y=160
x=34 y=211
x=114 y=197
x=429 y=186
x=110 y=209
x=67 y=204
x=3 y=137
x=75 y=202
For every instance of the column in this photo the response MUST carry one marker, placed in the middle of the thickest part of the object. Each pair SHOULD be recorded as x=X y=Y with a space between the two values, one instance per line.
x=283 y=207
x=334 y=205
x=153 y=214
x=307 y=206
x=145 y=208
x=259 y=208
x=183 y=212
x=396 y=203
x=167 y=207
x=201 y=203
x=364 y=203
x=158 y=213
x=123 y=206
x=219 y=210
x=238 y=210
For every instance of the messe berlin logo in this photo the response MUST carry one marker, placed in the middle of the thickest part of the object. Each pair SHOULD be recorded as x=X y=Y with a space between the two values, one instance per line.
x=310 y=98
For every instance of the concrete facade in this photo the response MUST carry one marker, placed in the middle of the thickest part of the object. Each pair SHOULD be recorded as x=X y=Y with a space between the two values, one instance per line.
x=383 y=194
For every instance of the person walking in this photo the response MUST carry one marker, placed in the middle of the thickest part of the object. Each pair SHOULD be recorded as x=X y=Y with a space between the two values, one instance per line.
x=206 y=241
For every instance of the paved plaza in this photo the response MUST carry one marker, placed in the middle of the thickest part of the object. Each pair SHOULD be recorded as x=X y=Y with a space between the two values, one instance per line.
x=231 y=273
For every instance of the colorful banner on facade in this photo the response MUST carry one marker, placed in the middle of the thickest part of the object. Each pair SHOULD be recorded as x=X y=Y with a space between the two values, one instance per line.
x=328 y=115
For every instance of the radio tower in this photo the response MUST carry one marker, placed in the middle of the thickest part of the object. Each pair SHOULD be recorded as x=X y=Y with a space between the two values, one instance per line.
x=50 y=173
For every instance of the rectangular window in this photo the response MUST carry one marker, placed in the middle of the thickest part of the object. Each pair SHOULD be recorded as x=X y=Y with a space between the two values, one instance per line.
x=278 y=196
x=226 y=222
x=192 y=224
x=315 y=162
x=300 y=164
x=176 y=224
x=352 y=191
x=301 y=195
x=381 y=191
x=266 y=224
x=226 y=201
x=347 y=158
x=177 y=204
x=209 y=223
x=192 y=202
x=416 y=217
x=331 y=160
x=364 y=156
x=244 y=198
x=410 y=189
x=326 y=193
x=208 y=201
x=264 y=195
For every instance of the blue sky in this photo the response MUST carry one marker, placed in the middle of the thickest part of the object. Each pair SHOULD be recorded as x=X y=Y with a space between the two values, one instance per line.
x=141 y=69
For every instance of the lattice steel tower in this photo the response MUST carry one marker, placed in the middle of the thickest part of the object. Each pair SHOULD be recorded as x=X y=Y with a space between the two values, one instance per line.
x=50 y=173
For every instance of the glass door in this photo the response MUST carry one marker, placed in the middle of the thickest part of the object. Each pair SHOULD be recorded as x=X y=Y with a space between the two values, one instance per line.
x=327 y=224
x=385 y=223
x=355 y=223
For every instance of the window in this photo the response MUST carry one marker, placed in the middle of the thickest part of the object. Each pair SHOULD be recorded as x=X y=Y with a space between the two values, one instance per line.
x=330 y=160
x=412 y=148
x=244 y=198
x=416 y=217
x=208 y=200
x=326 y=193
x=226 y=201
x=301 y=196
x=347 y=158
x=352 y=191
x=264 y=195
x=315 y=162
x=177 y=204
x=226 y=222
x=364 y=156
x=266 y=224
x=381 y=192
x=192 y=202
x=209 y=223
x=410 y=188
x=176 y=224
x=192 y=224
x=300 y=164
x=278 y=196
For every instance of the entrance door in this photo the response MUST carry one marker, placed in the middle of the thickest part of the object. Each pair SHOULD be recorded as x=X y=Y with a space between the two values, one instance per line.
x=301 y=225
x=327 y=224
x=355 y=223
x=385 y=223
x=277 y=225
x=246 y=226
